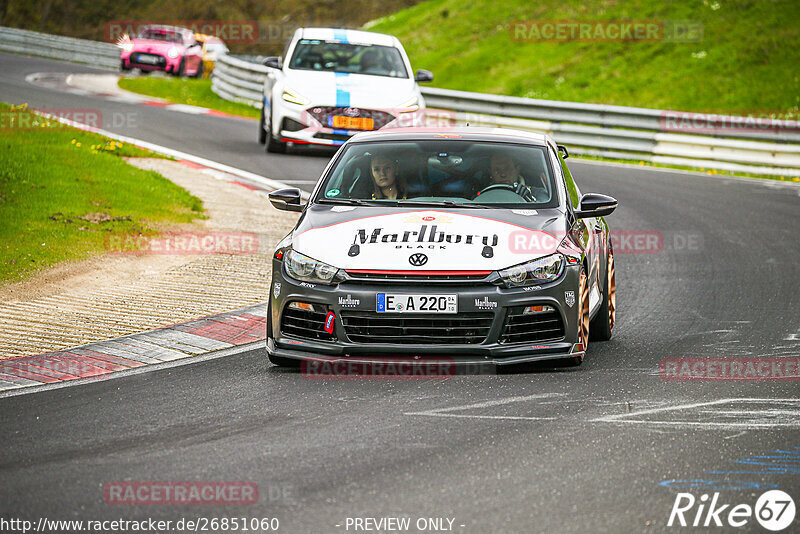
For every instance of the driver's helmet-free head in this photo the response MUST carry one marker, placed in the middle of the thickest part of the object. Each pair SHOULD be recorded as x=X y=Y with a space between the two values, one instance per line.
x=504 y=169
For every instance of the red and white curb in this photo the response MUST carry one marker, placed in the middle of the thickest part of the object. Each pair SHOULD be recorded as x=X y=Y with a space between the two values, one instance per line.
x=167 y=344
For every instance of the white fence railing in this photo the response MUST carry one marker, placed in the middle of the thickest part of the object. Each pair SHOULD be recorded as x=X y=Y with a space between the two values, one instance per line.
x=739 y=144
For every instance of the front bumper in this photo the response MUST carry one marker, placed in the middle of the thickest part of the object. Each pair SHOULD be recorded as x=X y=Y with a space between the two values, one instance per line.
x=357 y=298
x=314 y=132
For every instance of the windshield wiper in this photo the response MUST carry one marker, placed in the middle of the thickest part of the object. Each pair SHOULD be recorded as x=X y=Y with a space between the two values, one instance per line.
x=351 y=201
x=449 y=203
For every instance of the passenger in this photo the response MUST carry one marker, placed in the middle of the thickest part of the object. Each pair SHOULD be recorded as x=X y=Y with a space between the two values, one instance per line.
x=385 y=179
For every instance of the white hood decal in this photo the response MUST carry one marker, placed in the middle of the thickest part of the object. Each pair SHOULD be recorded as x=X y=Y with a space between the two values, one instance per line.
x=449 y=242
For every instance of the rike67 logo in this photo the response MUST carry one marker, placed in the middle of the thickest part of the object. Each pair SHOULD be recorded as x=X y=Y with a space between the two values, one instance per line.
x=774 y=510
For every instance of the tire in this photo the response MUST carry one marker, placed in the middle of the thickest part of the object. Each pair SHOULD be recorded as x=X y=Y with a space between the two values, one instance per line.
x=122 y=66
x=272 y=145
x=199 y=73
x=181 y=68
x=262 y=135
x=584 y=327
x=602 y=326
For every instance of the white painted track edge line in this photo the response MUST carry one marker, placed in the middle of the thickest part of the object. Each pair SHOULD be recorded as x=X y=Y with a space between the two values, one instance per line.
x=189 y=359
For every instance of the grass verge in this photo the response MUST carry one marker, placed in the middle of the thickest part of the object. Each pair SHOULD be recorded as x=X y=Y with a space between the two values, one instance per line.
x=62 y=190
x=186 y=91
x=745 y=59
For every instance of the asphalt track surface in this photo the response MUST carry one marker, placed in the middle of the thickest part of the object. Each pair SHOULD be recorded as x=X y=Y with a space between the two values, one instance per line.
x=602 y=448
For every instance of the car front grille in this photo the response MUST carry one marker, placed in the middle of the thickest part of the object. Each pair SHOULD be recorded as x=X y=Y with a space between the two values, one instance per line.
x=332 y=137
x=380 y=118
x=379 y=276
x=424 y=329
x=151 y=60
x=522 y=328
x=305 y=323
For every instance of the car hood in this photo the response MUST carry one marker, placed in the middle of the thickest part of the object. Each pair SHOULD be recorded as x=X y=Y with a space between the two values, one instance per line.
x=351 y=90
x=376 y=238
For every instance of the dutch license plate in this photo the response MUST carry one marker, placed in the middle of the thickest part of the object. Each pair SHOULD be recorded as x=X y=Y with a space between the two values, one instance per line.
x=400 y=303
x=351 y=123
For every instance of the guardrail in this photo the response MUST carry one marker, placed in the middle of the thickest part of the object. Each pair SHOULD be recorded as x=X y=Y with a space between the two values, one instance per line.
x=94 y=53
x=590 y=129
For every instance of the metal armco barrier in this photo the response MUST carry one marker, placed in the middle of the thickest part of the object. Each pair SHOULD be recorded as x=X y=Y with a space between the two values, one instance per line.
x=730 y=143
x=590 y=129
x=93 y=53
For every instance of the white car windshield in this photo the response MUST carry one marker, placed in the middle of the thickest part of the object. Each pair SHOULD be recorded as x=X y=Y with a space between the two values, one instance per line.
x=468 y=173
x=374 y=60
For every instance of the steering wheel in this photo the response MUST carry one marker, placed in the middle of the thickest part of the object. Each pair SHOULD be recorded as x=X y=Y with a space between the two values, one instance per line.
x=519 y=189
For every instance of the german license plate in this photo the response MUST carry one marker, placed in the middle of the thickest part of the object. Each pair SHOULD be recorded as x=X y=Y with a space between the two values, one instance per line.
x=150 y=60
x=402 y=303
x=351 y=123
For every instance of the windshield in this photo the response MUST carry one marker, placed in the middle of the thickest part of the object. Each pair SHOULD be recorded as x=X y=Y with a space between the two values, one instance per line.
x=441 y=172
x=160 y=34
x=374 y=60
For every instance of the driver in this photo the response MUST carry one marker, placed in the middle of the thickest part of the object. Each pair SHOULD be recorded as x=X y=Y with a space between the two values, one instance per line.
x=504 y=170
x=385 y=178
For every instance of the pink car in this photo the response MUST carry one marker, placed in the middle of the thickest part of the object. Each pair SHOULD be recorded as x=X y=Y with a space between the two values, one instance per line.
x=169 y=48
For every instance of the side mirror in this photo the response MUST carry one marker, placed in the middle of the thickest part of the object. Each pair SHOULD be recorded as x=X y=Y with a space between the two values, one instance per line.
x=274 y=62
x=423 y=76
x=286 y=199
x=563 y=150
x=596 y=205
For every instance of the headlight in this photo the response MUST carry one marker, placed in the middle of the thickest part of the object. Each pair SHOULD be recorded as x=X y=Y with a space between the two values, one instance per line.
x=301 y=267
x=294 y=97
x=412 y=104
x=127 y=47
x=173 y=52
x=541 y=271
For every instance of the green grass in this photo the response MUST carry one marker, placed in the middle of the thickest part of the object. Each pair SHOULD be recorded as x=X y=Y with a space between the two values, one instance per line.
x=747 y=61
x=52 y=175
x=186 y=91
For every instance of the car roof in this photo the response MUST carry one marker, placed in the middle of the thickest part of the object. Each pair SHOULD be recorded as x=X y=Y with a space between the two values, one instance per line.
x=466 y=132
x=349 y=36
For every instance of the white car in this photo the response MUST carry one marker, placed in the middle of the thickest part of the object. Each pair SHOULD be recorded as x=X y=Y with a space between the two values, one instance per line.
x=333 y=83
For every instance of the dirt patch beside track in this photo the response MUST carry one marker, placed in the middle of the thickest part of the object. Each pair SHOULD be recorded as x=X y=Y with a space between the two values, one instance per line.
x=120 y=294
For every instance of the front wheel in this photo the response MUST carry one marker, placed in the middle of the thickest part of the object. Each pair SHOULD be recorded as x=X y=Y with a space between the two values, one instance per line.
x=583 y=318
x=199 y=73
x=262 y=134
x=273 y=145
x=181 y=68
x=602 y=326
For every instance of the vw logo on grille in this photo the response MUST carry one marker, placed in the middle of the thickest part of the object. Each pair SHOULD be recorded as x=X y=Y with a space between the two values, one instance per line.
x=351 y=112
x=418 y=260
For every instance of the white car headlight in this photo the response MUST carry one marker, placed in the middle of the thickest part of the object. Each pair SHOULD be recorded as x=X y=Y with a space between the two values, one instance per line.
x=127 y=46
x=292 y=96
x=173 y=52
x=412 y=104
x=301 y=267
x=541 y=271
